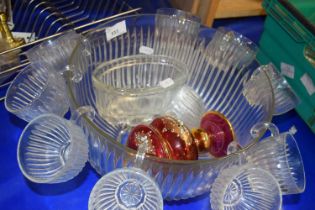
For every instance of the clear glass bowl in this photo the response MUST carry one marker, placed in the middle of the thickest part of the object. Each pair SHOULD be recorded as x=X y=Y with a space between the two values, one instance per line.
x=133 y=89
x=54 y=53
x=126 y=188
x=285 y=98
x=245 y=187
x=219 y=90
x=177 y=21
x=35 y=91
x=280 y=155
x=51 y=149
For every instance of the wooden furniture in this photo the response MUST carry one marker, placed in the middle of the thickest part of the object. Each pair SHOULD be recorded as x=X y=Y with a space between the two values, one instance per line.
x=208 y=10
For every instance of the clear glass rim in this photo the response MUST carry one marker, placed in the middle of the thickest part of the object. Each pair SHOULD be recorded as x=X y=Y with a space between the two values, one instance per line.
x=24 y=71
x=133 y=152
x=50 y=43
x=134 y=61
x=22 y=168
x=248 y=43
x=173 y=11
x=136 y=171
x=289 y=137
x=251 y=168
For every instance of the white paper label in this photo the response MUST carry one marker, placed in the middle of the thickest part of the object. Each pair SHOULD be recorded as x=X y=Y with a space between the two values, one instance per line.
x=166 y=83
x=287 y=70
x=116 y=30
x=25 y=35
x=308 y=84
x=146 y=50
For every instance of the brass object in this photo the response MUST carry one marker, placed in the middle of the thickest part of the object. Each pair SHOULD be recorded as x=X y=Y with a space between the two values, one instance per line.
x=6 y=33
x=202 y=139
x=7 y=60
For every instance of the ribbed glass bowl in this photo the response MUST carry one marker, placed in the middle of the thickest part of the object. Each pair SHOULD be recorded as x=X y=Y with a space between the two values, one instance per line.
x=228 y=89
x=132 y=89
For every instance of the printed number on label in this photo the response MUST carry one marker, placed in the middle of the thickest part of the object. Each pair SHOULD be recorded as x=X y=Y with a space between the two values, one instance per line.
x=116 y=30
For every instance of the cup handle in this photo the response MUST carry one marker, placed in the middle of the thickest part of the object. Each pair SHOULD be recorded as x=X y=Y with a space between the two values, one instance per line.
x=85 y=47
x=141 y=152
x=77 y=114
x=234 y=147
x=260 y=128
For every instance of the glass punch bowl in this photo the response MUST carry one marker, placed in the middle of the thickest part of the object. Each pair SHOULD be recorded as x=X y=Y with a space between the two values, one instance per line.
x=223 y=76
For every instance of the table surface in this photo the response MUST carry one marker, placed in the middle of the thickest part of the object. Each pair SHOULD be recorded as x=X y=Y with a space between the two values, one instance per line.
x=17 y=193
